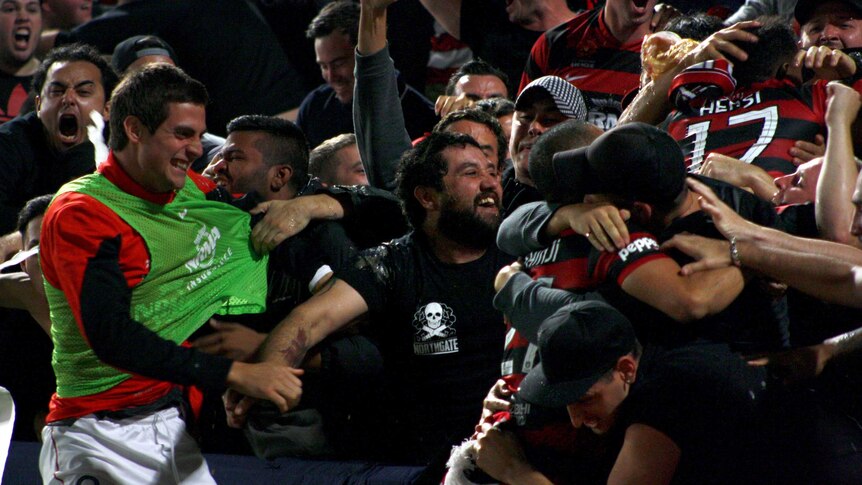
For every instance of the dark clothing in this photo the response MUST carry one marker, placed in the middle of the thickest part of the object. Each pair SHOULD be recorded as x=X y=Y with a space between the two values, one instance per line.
x=440 y=338
x=515 y=193
x=322 y=116
x=13 y=95
x=29 y=167
x=705 y=399
x=485 y=27
x=242 y=66
x=584 y=52
x=758 y=124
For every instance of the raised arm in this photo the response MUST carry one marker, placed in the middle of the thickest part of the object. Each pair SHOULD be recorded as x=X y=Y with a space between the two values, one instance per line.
x=834 y=207
x=447 y=13
x=378 y=119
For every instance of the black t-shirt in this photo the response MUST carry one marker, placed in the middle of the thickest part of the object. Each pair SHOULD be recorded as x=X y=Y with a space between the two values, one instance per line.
x=705 y=399
x=515 y=193
x=29 y=167
x=13 y=95
x=242 y=66
x=439 y=335
x=322 y=116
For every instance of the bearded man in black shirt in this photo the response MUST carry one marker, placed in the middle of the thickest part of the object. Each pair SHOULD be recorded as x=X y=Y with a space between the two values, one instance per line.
x=430 y=292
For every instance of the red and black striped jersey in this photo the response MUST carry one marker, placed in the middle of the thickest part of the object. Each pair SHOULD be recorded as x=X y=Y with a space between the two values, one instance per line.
x=584 y=52
x=758 y=124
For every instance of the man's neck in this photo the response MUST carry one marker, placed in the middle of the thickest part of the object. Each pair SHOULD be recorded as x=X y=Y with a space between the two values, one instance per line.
x=689 y=206
x=20 y=70
x=625 y=33
x=449 y=251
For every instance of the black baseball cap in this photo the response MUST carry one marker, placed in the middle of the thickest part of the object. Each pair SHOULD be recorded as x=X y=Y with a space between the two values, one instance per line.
x=133 y=48
x=805 y=8
x=636 y=161
x=578 y=345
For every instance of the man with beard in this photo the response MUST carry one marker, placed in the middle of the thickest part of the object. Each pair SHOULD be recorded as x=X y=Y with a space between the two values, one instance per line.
x=430 y=292
x=41 y=151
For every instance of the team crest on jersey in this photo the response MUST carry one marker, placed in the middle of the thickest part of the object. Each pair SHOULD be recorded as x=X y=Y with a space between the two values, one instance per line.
x=435 y=330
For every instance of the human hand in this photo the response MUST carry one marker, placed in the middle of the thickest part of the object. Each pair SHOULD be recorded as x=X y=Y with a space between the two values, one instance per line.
x=662 y=14
x=505 y=273
x=708 y=253
x=826 y=62
x=725 y=168
x=283 y=219
x=792 y=366
x=248 y=383
x=728 y=222
x=722 y=44
x=602 y=223
x=232 y=340
x=842 y=105
x=497 y=400
x=447 y=104
x=805 y=151
x=500 y=455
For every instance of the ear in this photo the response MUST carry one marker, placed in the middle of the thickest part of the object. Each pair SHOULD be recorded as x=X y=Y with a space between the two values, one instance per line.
x=133 y=128
x=642 y=212
x=106 y=113
x=427 y=197
x=281 y=175
x=37 y=101
x=627 y=366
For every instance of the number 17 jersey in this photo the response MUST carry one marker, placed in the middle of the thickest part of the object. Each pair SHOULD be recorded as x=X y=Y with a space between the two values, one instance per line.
x=757 y=124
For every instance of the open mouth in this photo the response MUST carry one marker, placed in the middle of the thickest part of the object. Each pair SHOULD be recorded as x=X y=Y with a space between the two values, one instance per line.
x=488 y=200
x=68 y=128
x=22 y=37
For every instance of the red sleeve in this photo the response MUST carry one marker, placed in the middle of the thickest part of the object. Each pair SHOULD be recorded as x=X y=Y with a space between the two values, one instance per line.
x=617 y=266
x=74 y=228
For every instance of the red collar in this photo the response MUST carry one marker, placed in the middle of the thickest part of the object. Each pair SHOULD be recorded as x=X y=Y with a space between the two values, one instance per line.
x=112 y=170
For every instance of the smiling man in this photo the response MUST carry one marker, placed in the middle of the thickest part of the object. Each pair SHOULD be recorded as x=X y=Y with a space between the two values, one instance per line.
x=42 y=150
x=429 y=295
x=135 y=259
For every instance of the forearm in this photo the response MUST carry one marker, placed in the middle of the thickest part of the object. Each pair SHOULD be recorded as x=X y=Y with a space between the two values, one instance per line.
x=712 y=291
x=834 y=207
x=447 y=13
x=323 y=207
x=378 y=119
x=760 y=182
x=843 y=344
x=824 y=269
x=651 y=105
x=522 y=231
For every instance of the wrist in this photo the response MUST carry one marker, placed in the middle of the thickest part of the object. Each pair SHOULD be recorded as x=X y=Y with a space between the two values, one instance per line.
x=734 y=253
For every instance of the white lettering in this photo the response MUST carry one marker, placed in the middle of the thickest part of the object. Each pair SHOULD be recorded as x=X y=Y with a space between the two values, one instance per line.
x=638 y=246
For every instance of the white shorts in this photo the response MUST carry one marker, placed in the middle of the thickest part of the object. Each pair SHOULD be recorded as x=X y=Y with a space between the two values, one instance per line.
x=152 y=449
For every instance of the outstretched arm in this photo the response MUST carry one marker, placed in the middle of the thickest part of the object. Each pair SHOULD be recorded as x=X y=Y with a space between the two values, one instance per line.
x=447 y=13
x=834 y=207
x=378 y=119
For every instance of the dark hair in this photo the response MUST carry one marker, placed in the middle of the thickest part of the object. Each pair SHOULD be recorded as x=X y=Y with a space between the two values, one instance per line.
x=567 y=135
x=476 y=67
x=696 y=26
x=284 y=145
x=34 y=208
x=425 y=166
x=321 y=161
x=478 y=116
x=496 y=107
x=776 y=46
x=146 y=95
x=73 y=53
x=342 y=16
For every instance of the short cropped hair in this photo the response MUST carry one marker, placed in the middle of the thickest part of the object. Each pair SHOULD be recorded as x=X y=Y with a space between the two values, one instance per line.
x=476 y=67
x=285 y=143
x=342 y=15
x=146 y=94
x=73 y=53
x=34 y=208
x=321 y=162
x=567 y=135
x=425 y=166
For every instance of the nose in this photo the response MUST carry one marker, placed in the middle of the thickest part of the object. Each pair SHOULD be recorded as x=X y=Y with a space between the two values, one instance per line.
x=829 y=33
x=220 y=166
x=195 y=149
x=856 y=227
x=781 y=183
x=576 y=416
